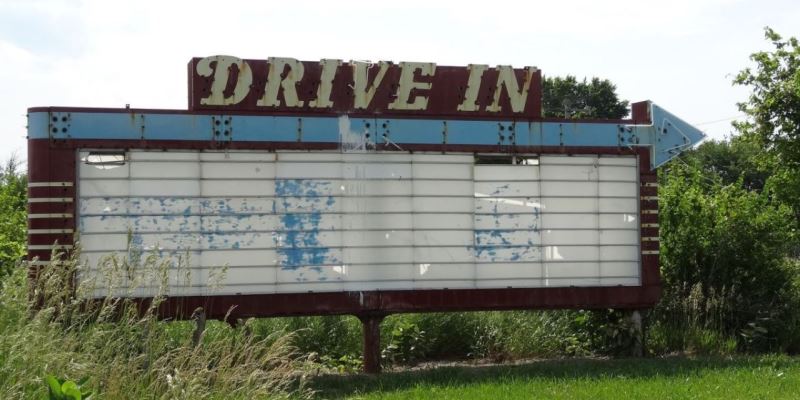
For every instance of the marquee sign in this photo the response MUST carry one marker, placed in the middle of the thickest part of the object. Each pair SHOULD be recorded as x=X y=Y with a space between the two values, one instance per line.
x=355 y=188
x=333 y=87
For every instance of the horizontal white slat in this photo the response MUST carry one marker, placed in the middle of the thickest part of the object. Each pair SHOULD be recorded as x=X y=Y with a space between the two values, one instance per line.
x=374 y=171
x=629 y=269
x=571 y=270
x=571 y=253
x=309 y=170
x=618 y=189
x=506 y=173
x=443 y=238
x=442 y=221
x=240 y=205
x=590 y=237
x=569 y=205
x=372 y=221
x=399 y=255
x=384 y=272
x=507 y=205
x=499 y=270
x=570 y=189
x=164 y=170
x=442 y=171
x=433 y=271
x=443 y=204
x=507 y=221
x=501 y=254
x=107 y=188
x=141 y=205
x=499 y=188
x=155 y=187
x=378 y=238
x=239 y=257
x=442 y=188
x=233 y=156
x=122 y=224
x=619 y=253
x=297 y=257
x=237 y=170
x=432 y=255
x=222 y=188
x=586 y=173
x=619 y=205
x=173 y=155
x=575 y=221
x=566 y=237
x=369 y=204
x=499 y=237
x=615 y=173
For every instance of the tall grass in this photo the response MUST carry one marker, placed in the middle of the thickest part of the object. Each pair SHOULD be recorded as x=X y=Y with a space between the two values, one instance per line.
x=127 y=353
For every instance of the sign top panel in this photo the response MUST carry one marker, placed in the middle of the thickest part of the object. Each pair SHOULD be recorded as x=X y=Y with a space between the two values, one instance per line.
x=333 y=87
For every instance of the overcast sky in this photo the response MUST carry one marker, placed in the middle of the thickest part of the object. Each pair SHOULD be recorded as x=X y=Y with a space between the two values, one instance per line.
x=682 y=54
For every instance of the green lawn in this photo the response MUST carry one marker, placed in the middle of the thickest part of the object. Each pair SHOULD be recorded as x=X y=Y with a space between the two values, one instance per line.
x=768 y=377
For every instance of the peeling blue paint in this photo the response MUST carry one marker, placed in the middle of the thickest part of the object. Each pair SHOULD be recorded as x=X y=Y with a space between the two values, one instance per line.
x=301 y=245
x=499 y=244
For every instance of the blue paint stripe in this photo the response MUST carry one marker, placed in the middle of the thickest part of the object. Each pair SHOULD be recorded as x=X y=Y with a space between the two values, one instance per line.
x=668 y=135
x=133 y=126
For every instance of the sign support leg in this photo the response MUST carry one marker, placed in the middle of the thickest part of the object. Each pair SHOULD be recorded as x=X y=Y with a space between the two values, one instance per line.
x=637 y=349
x=199 y=317
x=371 y=325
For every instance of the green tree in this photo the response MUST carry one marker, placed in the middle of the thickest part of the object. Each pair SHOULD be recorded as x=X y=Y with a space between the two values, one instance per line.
x=733 y=161
x=773 y=115
x=773 y=107
x=13 y=215
x=570 y=98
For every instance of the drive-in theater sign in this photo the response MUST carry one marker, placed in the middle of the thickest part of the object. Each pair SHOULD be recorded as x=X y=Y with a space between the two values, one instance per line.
x=359 y=188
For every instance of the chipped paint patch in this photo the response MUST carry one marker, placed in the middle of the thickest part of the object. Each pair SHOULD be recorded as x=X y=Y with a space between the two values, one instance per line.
x=299 y=244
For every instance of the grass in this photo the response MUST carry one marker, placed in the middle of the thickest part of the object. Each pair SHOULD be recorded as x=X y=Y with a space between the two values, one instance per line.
x=765 y=377
x=125 y=354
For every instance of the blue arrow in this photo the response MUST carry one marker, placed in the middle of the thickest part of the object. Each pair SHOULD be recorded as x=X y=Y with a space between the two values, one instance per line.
x=666 y=136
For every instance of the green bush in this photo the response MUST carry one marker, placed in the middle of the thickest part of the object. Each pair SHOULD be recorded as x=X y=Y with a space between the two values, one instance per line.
x=13 y=216
x=725 y=260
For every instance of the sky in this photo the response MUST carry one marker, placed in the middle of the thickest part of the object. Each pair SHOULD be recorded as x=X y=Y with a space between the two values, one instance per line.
x=681 y=54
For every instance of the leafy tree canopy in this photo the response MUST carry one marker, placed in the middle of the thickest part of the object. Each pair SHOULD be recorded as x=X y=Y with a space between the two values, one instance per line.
x=773 y=107
x=570 y=98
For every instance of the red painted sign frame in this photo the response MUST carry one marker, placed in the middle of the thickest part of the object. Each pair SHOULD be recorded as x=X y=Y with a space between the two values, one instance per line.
x=55 y=160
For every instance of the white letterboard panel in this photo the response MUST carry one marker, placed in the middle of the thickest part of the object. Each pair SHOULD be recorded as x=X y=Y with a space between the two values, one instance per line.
x=289 y=222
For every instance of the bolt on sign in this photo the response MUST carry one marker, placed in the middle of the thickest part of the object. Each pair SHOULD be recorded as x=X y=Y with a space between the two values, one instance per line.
x=309 y=188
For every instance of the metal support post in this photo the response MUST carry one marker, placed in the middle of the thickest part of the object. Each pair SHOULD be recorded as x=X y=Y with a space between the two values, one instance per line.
x=372 y=342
